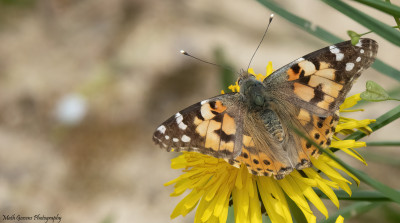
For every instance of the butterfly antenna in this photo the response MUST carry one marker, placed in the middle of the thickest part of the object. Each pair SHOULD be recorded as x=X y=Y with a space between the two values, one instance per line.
x=251 y=59
x=221 y=66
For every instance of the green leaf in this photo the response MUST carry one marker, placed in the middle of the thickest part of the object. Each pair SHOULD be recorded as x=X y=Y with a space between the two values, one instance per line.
x=357 y=195
x=226 y=69
x=388 y=8
x=353 y=210
x=374 y=92
x=325 y=35
x=391 y=215
x=371 y=23
x=355 y=37
x=384 y=159
x=384 y=143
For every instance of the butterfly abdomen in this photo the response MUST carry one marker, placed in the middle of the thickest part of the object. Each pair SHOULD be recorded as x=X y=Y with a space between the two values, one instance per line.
x=273 y=125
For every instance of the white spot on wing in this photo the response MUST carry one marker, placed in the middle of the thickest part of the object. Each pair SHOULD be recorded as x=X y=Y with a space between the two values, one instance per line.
x=339 y=56
x=361 y=51
x=175 y=139
x=359 y=44
x=182 y=126
x=161 y=129
x=358 y=59
x=185 y=138
x=203 y=102
x=166 y=137
x=349 y=66
x=336 y=51
x=300 y=59
x=179 y=121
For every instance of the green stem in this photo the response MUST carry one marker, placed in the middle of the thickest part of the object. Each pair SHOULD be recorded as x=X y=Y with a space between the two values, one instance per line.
x=393 y=99
x=384 y=143
x=396 y=19
x=372 y=196
x=353 y=210
x=371 y=31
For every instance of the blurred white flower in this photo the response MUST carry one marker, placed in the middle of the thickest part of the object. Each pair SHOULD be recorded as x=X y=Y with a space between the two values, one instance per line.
x=71 y=109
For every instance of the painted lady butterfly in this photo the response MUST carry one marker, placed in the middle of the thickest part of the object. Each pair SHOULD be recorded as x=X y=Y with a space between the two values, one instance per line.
x=253 y=126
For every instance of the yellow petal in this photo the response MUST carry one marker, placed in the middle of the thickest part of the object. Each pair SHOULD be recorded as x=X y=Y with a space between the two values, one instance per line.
x=270 y=69
x=339 y=219
x=354 y=124
x=274 y=200
x=223 y=194
x=250 y=71
x=321 y=184
x=354 y=154
x=293 y=191
x=310 y=194
x=180 y=208
x=255 y=208
x=350 y=101
x=214 y=187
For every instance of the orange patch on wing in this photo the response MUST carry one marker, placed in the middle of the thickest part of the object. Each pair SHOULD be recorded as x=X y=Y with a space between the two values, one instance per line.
x=323 y=65
x=292 y=75
x=304 y=92
x=219 y=107
x=304 y=116
x=327 y=73
x=326 y=102
x=202 y=128
x=247 y=141
x=197 y=121
x=308 y=148
x=212 y=138
x=328 y=87
x=226 y=146
x=308 y=67
x=228 y=125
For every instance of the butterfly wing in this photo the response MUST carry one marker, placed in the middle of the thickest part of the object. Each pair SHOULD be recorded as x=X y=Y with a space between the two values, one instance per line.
x=320 y=81
x=211 y=127
x=307 y=93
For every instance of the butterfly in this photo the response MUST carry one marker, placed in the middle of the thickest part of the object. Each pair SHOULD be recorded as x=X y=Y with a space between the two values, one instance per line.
x=255 y=126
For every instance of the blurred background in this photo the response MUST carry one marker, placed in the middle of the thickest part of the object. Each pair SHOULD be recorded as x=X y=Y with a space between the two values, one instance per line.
x=83 y=85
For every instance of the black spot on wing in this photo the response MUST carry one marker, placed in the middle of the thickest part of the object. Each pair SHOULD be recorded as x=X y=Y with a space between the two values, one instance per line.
x=212 y=104
x=316 y=63
x=296 y=68
x=225 y=137
x=318 y=94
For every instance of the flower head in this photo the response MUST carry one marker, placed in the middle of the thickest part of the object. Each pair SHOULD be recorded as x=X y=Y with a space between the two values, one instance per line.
x=214 y=183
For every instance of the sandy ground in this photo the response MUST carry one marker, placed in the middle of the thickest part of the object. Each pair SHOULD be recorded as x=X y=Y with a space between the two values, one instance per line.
x=119 y=62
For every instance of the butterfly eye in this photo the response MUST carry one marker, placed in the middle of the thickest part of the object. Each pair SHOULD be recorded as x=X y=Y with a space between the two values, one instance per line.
x=240 y=81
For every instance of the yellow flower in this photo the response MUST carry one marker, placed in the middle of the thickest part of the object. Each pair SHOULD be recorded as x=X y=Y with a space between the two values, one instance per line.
x=214 y=183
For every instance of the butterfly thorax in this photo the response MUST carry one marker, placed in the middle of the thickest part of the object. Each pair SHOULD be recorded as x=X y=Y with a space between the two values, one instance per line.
x=253 y=94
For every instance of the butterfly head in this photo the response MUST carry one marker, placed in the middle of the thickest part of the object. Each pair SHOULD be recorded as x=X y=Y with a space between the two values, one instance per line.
x=252 y=90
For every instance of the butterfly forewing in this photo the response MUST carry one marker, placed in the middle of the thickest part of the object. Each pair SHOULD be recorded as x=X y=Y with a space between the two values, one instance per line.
x=210 y=127
x=320 y=80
